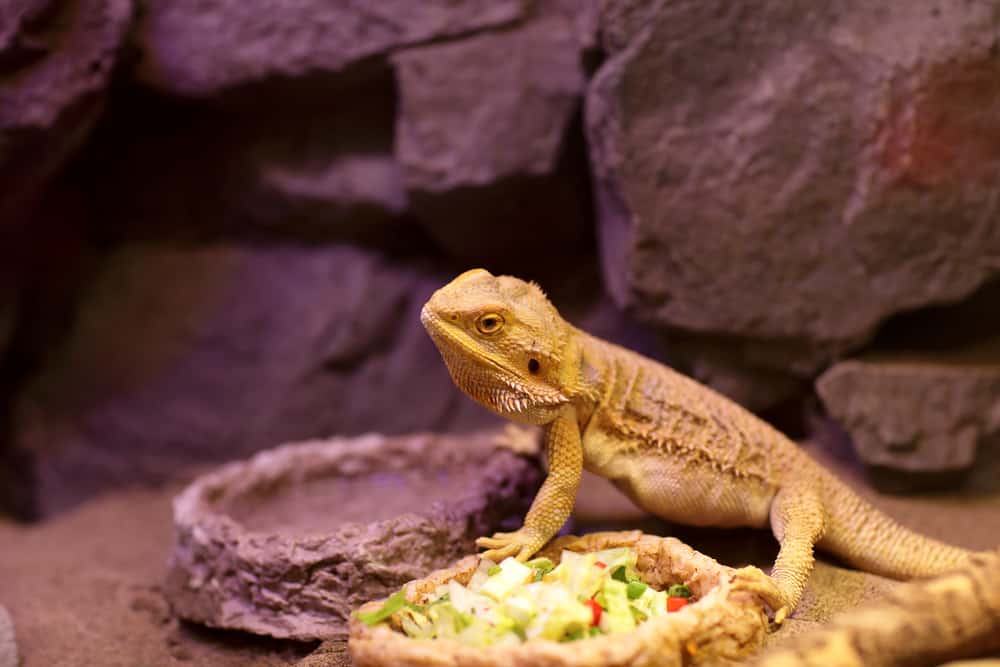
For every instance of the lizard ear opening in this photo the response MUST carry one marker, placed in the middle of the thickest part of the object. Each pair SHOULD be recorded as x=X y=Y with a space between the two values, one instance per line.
x=533 y=366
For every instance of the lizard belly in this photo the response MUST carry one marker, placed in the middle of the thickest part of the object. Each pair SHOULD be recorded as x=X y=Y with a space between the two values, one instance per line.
x=691 y=493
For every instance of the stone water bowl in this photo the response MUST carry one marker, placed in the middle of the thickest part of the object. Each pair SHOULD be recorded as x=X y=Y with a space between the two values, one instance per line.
x=721 y=625
x=288 y=542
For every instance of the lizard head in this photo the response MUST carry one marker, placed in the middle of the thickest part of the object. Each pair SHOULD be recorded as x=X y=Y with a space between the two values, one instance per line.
x=503 y=343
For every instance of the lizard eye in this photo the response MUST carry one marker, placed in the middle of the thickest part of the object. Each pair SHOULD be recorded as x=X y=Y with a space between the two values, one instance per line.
x=490 y=323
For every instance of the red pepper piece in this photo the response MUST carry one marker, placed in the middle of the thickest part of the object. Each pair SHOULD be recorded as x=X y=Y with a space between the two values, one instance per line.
x=595 y=611
x=601 y=565
x=675 y=604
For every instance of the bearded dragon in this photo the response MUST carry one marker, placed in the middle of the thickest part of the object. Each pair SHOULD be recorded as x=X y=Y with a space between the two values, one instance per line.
x=678 y=449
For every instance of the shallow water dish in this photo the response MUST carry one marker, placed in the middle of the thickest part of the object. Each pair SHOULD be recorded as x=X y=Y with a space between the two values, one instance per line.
x=287 y=543
x=722 y=624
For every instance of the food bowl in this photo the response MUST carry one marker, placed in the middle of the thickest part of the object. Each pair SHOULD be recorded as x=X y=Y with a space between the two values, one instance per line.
x=722 y=624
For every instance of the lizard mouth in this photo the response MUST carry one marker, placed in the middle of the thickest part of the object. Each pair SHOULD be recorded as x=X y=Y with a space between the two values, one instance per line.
x=485 y=380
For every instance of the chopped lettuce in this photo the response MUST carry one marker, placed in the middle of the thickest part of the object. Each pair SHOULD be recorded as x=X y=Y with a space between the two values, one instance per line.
x=585 y=595
x=395 y=602
x=513 y=573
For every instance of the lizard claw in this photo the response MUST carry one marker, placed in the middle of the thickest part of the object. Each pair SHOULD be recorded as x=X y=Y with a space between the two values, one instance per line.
x=753 y=580
x=521 y=544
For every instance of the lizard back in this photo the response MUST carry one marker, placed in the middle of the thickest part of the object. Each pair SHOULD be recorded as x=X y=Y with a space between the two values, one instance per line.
x=664 y=438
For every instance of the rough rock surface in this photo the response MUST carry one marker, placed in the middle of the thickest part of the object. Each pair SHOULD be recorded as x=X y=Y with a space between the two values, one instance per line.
x=289 y=165
x=8 y=641
x=290 y=542
x=918 y=415
x=194 y=355
x=198 y=48
x=791 y=175
x=483 y=136
x=7 y=319
x=56 y=58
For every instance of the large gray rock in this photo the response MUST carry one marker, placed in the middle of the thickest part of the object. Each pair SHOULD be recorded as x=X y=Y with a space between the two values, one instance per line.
x=193 y=355
x=198 y=48
x=288 y=543
x=483 y=136
x=790 y=175
x=8 y=641
x=56 y=58
x=920 y=415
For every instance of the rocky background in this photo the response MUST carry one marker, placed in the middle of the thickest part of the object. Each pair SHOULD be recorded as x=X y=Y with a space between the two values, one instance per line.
x=219 y=218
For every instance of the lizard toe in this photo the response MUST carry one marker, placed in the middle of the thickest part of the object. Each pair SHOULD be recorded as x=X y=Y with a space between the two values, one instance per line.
x=494 y=542
x=497 y=555
x=521 y=544
x=753 y=580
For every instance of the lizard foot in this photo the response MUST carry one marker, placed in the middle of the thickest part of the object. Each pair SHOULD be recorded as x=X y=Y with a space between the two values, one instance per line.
x=753 y=580
x=521 y=544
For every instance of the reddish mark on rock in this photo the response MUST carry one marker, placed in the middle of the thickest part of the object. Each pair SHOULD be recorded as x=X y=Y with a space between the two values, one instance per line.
x=945 y=130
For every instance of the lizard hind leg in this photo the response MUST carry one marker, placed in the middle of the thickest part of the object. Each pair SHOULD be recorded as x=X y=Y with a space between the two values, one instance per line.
x=798 y=519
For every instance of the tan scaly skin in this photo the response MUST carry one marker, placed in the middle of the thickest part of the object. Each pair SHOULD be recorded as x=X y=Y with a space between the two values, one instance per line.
x=678 y=449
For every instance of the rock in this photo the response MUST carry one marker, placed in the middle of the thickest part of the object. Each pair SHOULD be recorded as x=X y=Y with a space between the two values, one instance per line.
x=739 y=369
x=186 y=356
x=484 y=133
x=790 y=176
x=197 y=48
x=290 y=542
x=56 y=58
x=8 y=310
x=923 y=416
x=284 y=168
x=8 y=643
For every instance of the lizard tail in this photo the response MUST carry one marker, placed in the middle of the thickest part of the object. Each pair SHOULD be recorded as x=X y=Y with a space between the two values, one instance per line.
x=872 y=541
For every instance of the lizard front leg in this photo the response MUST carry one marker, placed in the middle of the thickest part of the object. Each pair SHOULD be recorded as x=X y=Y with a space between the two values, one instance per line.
x=554 y=502
x=797 y=520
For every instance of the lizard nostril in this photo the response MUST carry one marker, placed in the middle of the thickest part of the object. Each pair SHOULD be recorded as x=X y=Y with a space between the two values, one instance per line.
x=533 y=366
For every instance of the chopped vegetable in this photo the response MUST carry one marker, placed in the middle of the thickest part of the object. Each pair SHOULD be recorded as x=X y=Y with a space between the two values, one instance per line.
x=676 y=603
x=585 y=595
x=635 y=589
x=619 y=616
x=679 y=591
x=595 y=611
x=541 y=566
x=394 y=603
x=512 y=574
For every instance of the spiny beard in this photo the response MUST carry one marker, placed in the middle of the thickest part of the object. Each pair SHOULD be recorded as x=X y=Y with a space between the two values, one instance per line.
x=501 y=392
